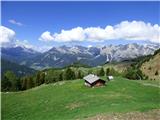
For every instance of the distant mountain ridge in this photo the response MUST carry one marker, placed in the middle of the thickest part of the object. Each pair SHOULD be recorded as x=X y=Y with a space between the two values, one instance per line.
x=64 y=55
x=92 y=56
x=18 y=54
x=19 y=70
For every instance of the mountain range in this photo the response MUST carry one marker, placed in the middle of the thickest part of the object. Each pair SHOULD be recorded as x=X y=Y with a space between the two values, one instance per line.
x=64 y=55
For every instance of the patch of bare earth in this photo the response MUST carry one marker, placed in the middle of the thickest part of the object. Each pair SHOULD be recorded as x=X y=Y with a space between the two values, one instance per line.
x=74 y=105
x=150 y=115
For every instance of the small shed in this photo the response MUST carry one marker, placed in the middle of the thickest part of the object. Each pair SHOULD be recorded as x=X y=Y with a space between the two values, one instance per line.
x=93 y=80
x=110 y=77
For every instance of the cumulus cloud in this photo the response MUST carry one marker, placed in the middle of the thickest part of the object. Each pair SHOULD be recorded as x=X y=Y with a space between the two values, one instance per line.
x=135 y=30
x=6 y=35
x=8 y=39
x=46 y=36
x=12 y=21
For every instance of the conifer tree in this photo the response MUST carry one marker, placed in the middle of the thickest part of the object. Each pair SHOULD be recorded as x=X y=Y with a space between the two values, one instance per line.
x=24 y=83
x=11 y=77
x=37 y=79
x=29 y=83
x=5 y=84
x=101 y=72
x=69 y=74
x=42 y=78
x=156 y=73
x=61 y=76
x=79 y=75
x=107 y=71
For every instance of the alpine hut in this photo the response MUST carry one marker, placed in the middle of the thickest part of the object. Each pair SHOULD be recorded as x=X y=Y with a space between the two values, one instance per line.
x=92 y=80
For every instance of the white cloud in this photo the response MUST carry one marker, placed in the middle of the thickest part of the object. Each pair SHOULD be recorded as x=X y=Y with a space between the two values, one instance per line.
x=75 y=34
x=46 y=36
x=8 y=39
x=15 y=22
x=135 y=30
x=138 y=31
x=6 y=35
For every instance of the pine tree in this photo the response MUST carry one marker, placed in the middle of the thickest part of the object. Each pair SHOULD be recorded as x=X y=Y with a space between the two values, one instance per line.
x=42 y=78
x=37 y=79
x=29 y=83
x=156 y=73
x=79 y=74
x=101 y=72
x=61 y=76
x=107 y=71
x=69 y=74
x=5 y=84
x=13 y=80
x=24 y=83
x=19 y=87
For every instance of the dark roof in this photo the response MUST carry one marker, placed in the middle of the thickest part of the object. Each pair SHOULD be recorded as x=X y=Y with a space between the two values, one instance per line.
x=91 y=78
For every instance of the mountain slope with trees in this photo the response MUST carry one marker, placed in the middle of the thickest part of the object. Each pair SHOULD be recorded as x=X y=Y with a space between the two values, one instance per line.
x=145 y=67
x=151 y=67
x=19 y=70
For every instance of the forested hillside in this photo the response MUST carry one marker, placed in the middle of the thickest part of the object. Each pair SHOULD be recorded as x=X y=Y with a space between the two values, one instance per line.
x=151 y=67
x=19 y=70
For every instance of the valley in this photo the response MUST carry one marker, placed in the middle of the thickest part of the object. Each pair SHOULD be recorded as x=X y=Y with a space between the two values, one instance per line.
x=80 y=60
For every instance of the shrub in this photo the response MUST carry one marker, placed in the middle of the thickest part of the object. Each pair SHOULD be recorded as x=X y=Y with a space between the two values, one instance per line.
x=149 y=68
x=156 y=73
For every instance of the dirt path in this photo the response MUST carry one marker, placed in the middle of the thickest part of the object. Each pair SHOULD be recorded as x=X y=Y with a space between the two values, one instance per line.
x=150 y=115
x=149 y=84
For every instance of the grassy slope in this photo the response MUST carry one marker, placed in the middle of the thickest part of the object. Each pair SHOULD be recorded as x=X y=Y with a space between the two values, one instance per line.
x=72 y=100
x=120 y=67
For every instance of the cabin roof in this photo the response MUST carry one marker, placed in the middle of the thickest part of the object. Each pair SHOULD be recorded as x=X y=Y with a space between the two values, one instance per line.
x=91 y=78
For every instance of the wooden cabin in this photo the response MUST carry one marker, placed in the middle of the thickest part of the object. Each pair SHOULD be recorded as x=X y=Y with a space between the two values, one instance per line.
x=92 y=80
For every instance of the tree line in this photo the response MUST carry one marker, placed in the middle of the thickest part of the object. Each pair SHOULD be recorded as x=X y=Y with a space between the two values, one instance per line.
x=10 y=82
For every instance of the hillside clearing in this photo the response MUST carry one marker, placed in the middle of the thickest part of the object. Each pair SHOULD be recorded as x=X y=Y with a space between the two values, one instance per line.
x=72 y=100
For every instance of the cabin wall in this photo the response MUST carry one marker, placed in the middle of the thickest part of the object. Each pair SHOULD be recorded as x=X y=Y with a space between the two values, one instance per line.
x=96 y=84
x=99 y=84
x=87 y=84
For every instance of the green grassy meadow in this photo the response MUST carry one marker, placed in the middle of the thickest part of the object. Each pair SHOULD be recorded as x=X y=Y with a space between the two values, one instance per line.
x=70 y=100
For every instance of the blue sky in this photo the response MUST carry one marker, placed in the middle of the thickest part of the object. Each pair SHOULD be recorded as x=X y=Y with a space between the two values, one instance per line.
x=37 y=17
